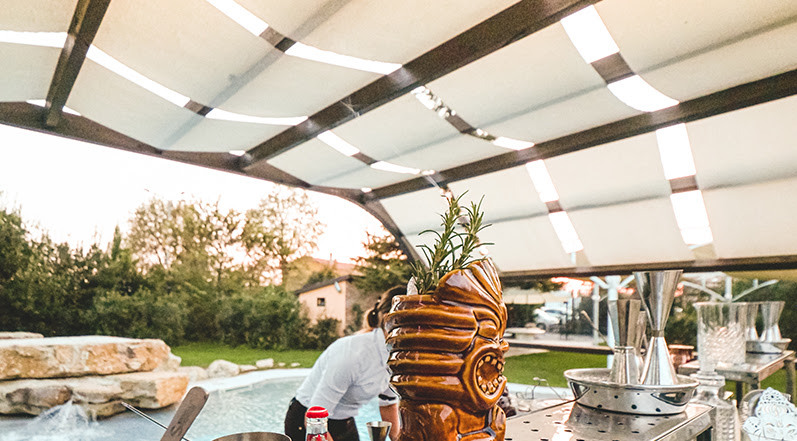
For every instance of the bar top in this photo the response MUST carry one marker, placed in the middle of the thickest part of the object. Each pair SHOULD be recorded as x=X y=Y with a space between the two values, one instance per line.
x=573 y=422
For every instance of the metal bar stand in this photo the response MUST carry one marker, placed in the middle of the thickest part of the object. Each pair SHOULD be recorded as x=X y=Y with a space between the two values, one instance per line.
x=573 y=422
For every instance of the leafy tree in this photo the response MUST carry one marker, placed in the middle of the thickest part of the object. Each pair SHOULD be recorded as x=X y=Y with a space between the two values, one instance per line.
x=383 y=266
x=14 y=248
x=291 y=226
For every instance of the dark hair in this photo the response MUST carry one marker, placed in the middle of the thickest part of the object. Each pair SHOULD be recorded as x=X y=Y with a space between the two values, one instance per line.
x=383 y=306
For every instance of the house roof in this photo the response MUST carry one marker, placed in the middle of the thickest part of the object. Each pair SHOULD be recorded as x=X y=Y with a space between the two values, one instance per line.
x=604 y=136
x=315 y=286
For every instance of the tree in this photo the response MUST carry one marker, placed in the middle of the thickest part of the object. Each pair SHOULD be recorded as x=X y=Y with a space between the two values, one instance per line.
x=14 y=248
x=384 y=265
x=291 y=226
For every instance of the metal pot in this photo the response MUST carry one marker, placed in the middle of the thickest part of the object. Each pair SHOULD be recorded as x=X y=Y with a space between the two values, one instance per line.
x=254 y=436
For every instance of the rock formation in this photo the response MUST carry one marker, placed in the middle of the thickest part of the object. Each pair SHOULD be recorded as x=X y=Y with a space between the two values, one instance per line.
x=95 y=372
x=76 y=356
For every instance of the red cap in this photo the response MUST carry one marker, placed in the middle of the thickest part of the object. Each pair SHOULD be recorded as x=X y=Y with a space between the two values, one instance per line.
x=317 y=412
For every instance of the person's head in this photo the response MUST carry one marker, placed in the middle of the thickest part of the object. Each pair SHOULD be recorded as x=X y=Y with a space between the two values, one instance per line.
x=376 y=316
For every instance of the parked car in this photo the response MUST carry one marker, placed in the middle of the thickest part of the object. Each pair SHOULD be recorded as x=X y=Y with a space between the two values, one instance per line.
x=546 y=318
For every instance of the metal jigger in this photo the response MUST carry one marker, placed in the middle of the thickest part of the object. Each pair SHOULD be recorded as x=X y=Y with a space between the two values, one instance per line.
x=625 y=323
x=378 y=430
x=657 y=290
x=770 y=312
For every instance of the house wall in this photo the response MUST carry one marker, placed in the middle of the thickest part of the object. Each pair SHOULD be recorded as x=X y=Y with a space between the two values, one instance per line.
x=335 y=306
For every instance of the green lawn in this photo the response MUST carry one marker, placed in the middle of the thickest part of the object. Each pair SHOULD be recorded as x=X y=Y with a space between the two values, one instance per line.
x=518 y=369
x=548 y=365
x=202 y=354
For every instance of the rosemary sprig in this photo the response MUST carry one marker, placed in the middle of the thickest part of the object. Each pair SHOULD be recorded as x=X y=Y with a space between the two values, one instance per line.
x=442 y=256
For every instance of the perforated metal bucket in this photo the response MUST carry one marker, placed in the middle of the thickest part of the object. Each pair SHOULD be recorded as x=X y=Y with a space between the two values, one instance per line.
x=254 y=436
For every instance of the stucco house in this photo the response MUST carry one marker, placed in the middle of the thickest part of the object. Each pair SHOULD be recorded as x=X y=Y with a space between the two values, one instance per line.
x=336 y=298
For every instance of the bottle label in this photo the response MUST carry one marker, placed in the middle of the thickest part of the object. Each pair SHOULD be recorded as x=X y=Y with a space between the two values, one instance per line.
x=316 y=437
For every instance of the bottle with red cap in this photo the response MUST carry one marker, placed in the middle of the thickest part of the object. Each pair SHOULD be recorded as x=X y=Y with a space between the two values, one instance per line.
x=315 y=420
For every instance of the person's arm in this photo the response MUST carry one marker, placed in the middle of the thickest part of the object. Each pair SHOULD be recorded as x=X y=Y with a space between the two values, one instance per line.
x=391 y=413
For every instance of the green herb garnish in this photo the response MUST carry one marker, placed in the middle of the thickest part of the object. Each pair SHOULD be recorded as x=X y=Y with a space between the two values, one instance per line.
x=452 y=249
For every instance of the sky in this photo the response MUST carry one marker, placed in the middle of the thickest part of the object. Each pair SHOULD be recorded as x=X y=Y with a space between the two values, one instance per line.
x=79 y=192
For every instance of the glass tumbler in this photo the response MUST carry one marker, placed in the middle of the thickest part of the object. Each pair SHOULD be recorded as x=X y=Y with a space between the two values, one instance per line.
x=721 y=334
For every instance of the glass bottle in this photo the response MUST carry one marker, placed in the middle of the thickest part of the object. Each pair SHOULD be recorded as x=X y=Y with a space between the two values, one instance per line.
x=710 y=392
x=315 y=420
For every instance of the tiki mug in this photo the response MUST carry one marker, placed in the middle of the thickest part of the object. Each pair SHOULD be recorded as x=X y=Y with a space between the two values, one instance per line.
x=447 y=357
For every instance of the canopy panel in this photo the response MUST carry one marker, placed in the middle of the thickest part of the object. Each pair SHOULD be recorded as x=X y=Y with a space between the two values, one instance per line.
x=603 y=136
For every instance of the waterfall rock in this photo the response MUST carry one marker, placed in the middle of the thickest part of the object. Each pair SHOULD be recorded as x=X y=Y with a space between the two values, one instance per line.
x=76 y=356
x=98 y=395
x=171 y=364
x=18 y=335
x=223 y=368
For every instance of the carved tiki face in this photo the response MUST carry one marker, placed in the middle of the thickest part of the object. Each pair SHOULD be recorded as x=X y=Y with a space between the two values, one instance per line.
x=447 y=346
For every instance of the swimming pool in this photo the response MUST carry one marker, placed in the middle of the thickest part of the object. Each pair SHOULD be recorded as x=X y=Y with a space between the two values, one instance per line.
x=233 y=406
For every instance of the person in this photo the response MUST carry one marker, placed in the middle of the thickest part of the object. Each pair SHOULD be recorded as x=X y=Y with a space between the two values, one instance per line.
x=351 y=372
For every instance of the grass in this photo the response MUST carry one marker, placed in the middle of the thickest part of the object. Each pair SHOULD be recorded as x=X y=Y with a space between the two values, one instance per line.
x=518 y=369
x=548 y=365
x=202 y=354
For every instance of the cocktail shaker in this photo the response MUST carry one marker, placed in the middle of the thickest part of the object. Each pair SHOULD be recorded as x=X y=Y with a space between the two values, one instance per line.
x=624 y=315
x=770 y=312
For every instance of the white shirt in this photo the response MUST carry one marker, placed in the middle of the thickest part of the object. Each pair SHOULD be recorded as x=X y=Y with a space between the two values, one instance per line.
x=349 y=373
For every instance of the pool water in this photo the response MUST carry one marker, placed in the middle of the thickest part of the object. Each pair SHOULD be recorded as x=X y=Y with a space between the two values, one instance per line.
x=258 y=407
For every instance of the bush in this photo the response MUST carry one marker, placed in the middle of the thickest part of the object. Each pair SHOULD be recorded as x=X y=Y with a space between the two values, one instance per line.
x=145 y=314
x=267 y=318
x=323 y=333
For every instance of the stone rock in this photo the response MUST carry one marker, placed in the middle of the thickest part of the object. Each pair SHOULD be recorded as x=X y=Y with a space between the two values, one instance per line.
x=171 y=364
x=194 y=373
x=281 y=364
x=19 y=335
x=267 y=363
x=295 y=365
x=244 y=368
x=223 y=368
x=99 y=395
x=76 y=356
x=152 y=390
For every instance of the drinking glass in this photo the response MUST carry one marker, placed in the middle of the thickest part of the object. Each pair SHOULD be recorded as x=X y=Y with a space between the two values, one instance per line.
x=721 y=334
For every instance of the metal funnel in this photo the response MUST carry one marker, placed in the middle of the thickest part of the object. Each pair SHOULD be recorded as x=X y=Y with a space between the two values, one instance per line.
x=657 y=291
x=770 y=312
x=378 y=430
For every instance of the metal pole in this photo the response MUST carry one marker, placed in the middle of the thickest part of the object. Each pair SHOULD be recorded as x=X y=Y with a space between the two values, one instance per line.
x=596 y=298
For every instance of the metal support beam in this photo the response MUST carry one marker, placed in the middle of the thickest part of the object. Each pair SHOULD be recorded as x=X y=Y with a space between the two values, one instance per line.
x=85 y=23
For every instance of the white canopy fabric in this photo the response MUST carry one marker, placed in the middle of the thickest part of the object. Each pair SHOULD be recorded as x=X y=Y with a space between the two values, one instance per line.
x=603 y=136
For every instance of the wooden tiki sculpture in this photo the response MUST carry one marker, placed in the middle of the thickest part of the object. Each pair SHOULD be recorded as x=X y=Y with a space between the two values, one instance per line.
x=447 y=357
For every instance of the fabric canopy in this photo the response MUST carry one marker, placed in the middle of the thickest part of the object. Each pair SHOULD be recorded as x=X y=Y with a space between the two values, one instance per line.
x=603 y=136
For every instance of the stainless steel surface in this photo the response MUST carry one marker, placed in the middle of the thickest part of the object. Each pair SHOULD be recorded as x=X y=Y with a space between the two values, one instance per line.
x=770 y=312
x=752 y=315
x=756 y=367
x=192 y=404
x=146 y=417
x=378 y=430
x=625 y=365
x=592 y=388
x=657 y=290
x=254 y=436
x=572 y=422
x=768 y=347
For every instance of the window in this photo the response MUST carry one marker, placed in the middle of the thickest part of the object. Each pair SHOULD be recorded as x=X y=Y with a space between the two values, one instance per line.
x=321 y=301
